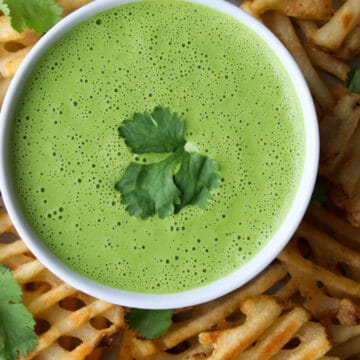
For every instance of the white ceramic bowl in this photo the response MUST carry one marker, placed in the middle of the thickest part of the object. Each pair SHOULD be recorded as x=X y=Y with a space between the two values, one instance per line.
x=219 y=287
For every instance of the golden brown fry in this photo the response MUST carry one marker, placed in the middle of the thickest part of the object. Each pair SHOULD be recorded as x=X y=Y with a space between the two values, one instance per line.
x=350 y=204
x=76 y=324
x=4 y=85
x=308 y=27
x=314 y=343
x=327 y=62
x=330 y=254
x=331 y=35
x=71 y=5
x=303 y=9
x=344 y=232
x=347 y=349
x=347 y=171
x=351 y=46
x=247 y=6
x=260 y=313
x=190 y=322
x=276 y=336
x=208 y=314
x=337 y=128
x=10 y=64
x=283 y=28
x=69 y=324
x=7 y=33
x=349 y=313
x=341 y=333
x=315 y=282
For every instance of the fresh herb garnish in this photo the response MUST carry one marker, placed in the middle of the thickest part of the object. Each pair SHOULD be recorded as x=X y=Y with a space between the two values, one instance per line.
x=164 y=188
x=319 y=195
x=353 y=80
x=37 y=15
x=17 y=336
x=150 y=324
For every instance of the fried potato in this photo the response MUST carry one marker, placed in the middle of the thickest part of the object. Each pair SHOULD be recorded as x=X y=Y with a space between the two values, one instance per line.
x=283 y=330
x=337 y=128
x=10 y=63
x=205 y=316
x=247 y=6
x=340 y=333
x=334 y=225
x=302 y=9
x=71 y=5
x=313 y=344
x=262 y=329
x=69 y=323
x=260 y=313
x=332 y=34
x=284 y=30
x=347 y=349
x=327 y=62
x=351 y=45
x=347 y=172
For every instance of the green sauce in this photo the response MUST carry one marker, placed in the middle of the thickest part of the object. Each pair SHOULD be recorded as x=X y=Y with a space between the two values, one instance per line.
x=239 y=108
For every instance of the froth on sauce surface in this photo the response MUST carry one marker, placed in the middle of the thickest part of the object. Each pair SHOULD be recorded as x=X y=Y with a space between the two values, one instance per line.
x=239 y=108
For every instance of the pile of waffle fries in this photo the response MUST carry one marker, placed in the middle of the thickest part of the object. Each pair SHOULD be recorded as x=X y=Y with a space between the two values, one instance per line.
x=305 y=305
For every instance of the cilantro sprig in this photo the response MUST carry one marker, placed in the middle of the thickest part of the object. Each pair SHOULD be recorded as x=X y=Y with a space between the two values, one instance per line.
x=165 y=187
x=37 y=15
x=353 y=80
x=17 y=336
x=150 y=324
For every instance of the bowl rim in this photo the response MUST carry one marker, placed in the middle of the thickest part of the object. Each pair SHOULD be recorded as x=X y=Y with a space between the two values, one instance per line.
x=214 y=289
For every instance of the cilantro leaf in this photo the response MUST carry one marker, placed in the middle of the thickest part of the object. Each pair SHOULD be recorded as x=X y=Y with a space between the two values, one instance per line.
x=319 y=195
x=353 y=80
x=17 y=336
x=150 y=189
x=38 y=15
x=163 y=188
x=158 y=132
x=149 y=323
x=195 y=179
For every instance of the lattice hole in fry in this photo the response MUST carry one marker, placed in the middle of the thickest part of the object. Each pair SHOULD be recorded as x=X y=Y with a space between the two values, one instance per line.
x=180 y=348
x=292 y=344
x=41 y=326
x=304 y=247
x=342 y=268
x=69 y=343
x=236 y=318
x=8 y=237
x=182 y=316
x=37 y=286
x=100 y=322
x=71 y=303
x=13 y=46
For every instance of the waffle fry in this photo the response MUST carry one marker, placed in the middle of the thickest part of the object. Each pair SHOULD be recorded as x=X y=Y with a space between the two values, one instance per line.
x=324 y=261
x=71 y=5
x=319 y=47
x=302 y=9
x=332 y=34
x=351 y=45
x=268 y=329
x=69 y=323
x=284 y=30
x=322 y=288
x=327 y=62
